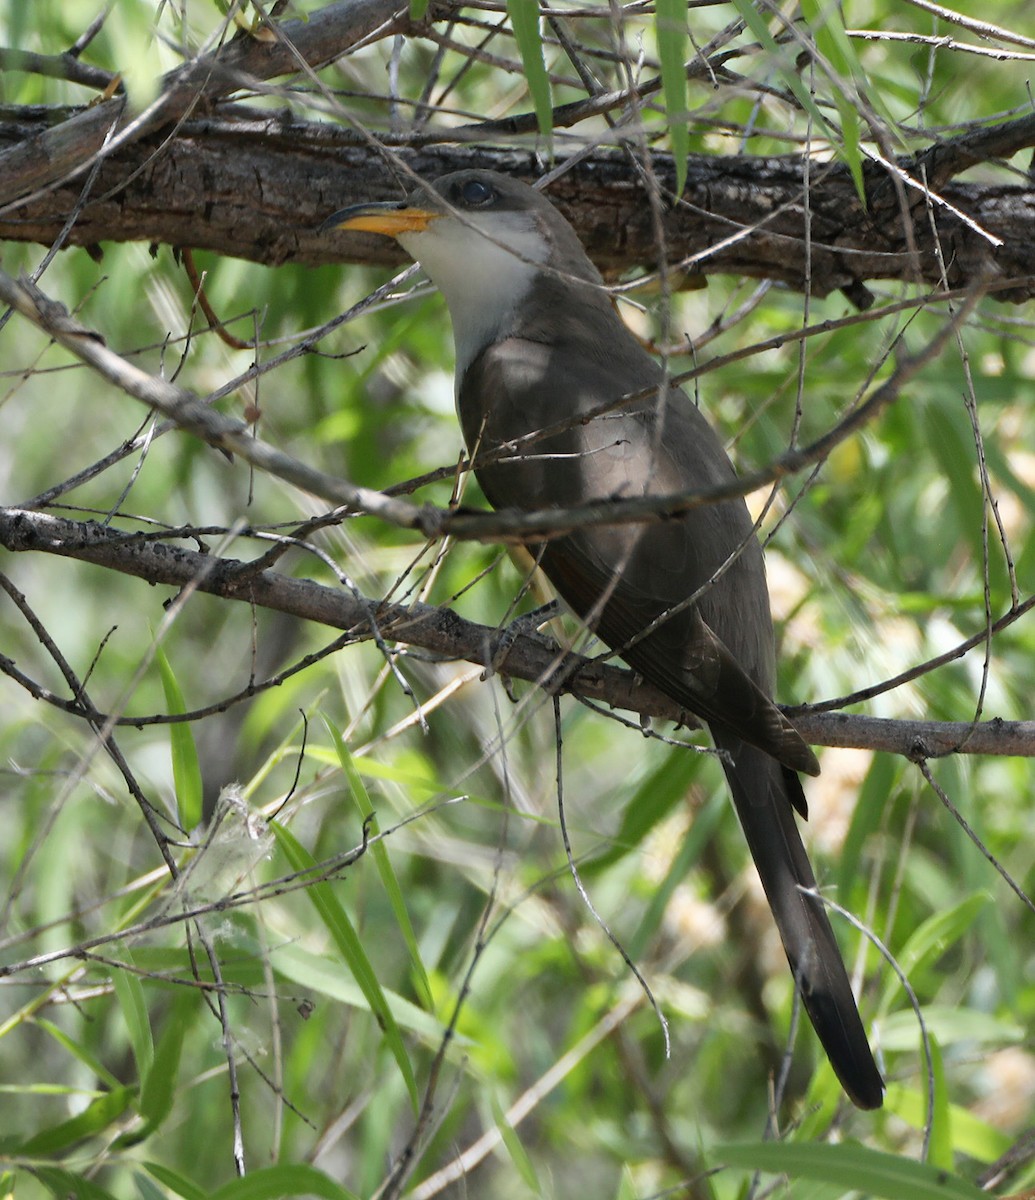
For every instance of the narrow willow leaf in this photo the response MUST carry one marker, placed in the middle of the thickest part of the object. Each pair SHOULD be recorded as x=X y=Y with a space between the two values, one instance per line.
x=176 y=1182
x=663 y=789
x=940 y=1146
x=323 y=976
x=788 y=72
x=96 y=1118
x=383 y=863
x=63 y=1184
x=137 y=53
x=130 y=995
x=147 y=1189
x=524 y=23
x=159 y=1085
x=705 y=823
x=970 y=1135
x=627 y=1189
x=850 y=145
x=185 y=765
x=518 y=1153
x=671 y=32
x=853 y=1167
x=826 y=24
x=344 y=935
x=78 y=1050
x=869 y=811
x=931 y=939
x=285 y=1179
x=952 y=1025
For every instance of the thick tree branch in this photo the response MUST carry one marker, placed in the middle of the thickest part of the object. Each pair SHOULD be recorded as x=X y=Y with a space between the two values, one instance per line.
x=441 y=631
x=255 y=186
x=194 y=170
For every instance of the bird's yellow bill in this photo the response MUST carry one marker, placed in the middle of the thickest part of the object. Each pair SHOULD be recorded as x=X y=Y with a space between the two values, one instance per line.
x=388 y=219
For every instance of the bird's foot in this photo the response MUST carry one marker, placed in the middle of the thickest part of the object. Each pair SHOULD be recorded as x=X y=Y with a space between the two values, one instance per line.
x=526 y=625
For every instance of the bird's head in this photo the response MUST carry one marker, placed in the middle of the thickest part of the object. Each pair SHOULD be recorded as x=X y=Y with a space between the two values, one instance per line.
x=484 y=239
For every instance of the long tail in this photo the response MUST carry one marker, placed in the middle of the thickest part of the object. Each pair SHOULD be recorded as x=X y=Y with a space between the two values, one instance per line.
x=763 y=792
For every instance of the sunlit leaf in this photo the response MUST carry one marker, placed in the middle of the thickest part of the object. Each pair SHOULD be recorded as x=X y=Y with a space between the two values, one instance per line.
x=95 y=1119
x=176 y=1182
x=671 y=28
x=62 y=1184
x=160 y=1082
x=524 y=21
x=130 y=993
x=268 y=1183
x=186 y=768
x=350 y=947
x=382 y=860
x=517 y=1152
x=939 y=1118
x=853 y=1167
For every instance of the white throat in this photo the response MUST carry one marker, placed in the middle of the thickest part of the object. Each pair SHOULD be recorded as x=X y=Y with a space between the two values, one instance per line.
x=484 y=268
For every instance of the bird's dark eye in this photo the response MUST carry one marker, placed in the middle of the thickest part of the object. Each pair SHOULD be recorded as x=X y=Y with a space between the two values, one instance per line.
x=475 y=193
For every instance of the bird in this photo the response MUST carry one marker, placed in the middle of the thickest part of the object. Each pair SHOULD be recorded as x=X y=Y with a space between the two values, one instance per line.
x=682 y=600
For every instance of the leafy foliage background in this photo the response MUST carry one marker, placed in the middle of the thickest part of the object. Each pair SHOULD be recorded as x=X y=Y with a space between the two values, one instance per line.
x=336 y=995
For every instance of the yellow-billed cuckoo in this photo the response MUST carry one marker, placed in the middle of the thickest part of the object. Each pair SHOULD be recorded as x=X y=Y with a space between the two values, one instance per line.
x=538 y=341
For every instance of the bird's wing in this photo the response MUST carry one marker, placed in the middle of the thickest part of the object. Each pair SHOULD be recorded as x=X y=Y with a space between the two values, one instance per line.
x=682 y=655
x=713 y=656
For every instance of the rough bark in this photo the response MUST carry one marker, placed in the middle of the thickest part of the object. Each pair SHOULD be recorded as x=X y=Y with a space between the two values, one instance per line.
x=521 y=656
x=195 y=170
x=255 y=186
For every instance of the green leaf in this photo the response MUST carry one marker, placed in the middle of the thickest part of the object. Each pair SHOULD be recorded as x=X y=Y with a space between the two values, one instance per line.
x=285 y=1179
x=827 y=26
x=176 y=1182
x=627 y=1189
x=338 y=925
x=79 y=1051
x=518 y=1153
x=671 y=33
x=970 y=1135
x=705 y=823
x=146 y=1188
x=94 y=1119
x=383 y=863
x=870 y=809
x=653 y=800
x=185 y=765
x=940 y=1147
x=64 y=1184
x=159 y=1085
x=853 y=1167
x=324 y=976
x=939 y=931
x=139 y=56
x=754 y=20
x=848 y=144
x=524 y=23
x=951 y=1025
x=130 y=995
